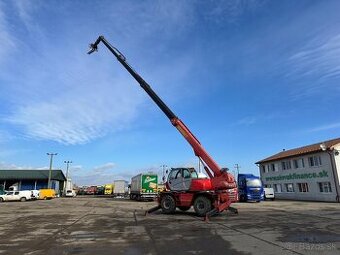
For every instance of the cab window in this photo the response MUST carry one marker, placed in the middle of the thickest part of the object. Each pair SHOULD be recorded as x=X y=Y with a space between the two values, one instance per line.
x=194 y=175
x=186 y=174
x=179 y=174
x=174 y=174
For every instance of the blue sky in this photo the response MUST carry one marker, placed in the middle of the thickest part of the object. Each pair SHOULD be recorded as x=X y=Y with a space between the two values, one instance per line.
x=249 y=78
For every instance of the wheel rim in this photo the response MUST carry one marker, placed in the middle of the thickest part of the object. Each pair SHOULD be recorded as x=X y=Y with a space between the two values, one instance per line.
x=166 y=203
x=200 y=205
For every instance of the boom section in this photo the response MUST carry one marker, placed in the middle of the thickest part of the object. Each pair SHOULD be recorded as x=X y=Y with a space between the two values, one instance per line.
x=138 y=78
x=181 y=127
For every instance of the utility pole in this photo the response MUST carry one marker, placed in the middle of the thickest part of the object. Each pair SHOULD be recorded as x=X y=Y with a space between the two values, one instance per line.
x=237 y=167
x=50 y=172
x=67 y=162
x=163 y=173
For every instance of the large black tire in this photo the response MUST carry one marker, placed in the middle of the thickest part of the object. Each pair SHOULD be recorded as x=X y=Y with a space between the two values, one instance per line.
x=202 y=205
x=184 y=208
x=23 y=199
x=168 y=204
x=1 y=199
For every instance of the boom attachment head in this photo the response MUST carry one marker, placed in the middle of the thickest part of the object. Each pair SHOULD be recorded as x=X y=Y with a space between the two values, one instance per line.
x=115 y=51
x=94 y=46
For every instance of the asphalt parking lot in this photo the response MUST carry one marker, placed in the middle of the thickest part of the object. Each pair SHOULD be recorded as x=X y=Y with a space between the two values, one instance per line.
x=90 y=225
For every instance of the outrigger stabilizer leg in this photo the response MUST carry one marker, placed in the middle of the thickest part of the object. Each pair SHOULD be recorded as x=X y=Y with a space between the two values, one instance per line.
x=233 y=210
x=153 y=209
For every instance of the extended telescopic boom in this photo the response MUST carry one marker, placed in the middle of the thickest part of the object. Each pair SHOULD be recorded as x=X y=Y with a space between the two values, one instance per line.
x=140 y=80
x=214 y=169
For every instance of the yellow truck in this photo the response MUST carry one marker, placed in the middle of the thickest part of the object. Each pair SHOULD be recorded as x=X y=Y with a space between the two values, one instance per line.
x=108 y=189
x=47 y=194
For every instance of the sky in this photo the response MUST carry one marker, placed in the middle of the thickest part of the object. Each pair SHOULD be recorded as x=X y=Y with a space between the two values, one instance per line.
x=249 y=78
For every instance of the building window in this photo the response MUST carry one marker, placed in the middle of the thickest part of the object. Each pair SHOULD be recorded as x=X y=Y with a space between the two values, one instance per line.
x=302 y=162
x=303 y=187
x=325 y=187
x=277 y=188
x=289 y=187
x=289 y=166
x=296 y=163
x=273 y=167
x=265 y=168
x=314 y=161
x=286 y=165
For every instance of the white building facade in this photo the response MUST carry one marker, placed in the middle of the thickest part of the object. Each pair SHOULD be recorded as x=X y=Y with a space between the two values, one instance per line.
x=306 y=173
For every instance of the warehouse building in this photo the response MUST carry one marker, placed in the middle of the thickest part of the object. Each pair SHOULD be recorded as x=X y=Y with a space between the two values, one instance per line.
x=32 y=179
x=306 y=173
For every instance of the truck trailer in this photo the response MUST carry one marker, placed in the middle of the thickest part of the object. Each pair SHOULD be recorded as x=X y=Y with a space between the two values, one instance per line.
x=120 y=188
x=144 y=187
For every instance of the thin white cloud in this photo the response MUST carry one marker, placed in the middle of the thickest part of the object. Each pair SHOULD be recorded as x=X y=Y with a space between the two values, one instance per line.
x=325 y=127
x=24 y=9
x=66 y=96
x=75 y=168
x=319 y=59
x=104 y=168
x=231 y=11
x=6 y=39
x=93 y=177
x=10 y=166
x=73 y=122
x=254 y=119
x=5 y=136
x=246 y=121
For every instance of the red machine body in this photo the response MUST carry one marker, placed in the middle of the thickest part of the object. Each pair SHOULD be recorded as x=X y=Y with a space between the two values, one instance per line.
x=184 y=188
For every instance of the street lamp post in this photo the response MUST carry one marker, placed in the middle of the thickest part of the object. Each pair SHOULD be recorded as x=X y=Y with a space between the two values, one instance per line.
x=335 y=175
x=67 y=162
x=50 y=172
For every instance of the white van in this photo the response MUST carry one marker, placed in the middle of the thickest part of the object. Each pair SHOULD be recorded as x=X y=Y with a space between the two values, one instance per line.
x=70 y=193
x=34 y=194
x=16 y=196
x=269 y=193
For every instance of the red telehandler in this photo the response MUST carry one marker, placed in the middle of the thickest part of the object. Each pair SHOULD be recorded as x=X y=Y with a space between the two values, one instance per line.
x=184 y=188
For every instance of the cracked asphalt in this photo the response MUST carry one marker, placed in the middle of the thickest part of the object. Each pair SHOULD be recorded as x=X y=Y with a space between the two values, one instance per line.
x=103 y=225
